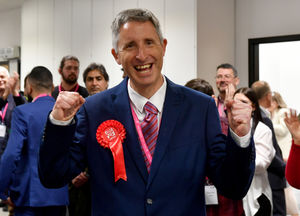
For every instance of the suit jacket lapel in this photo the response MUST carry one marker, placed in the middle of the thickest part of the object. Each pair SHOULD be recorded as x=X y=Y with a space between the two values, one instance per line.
x=121 y=107
x=171 y=110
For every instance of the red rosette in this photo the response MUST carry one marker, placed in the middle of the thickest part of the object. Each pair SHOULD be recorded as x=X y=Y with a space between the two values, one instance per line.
x=110 y=134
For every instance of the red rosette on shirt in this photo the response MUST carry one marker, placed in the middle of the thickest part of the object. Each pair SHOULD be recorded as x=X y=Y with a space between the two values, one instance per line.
x=110 y=134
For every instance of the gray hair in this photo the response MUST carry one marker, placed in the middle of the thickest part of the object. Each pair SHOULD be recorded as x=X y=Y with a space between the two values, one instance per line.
x=228 y=66
x=138 y=15
x=3 y=69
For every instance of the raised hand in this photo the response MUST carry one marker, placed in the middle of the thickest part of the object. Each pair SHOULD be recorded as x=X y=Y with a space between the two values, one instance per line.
x=239 y=114
x=229 y=92
x=293 y=124
x=66 y=106
x=14 y=84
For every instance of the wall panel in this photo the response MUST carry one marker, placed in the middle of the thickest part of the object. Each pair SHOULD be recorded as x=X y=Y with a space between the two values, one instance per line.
x=82 y=33
x=101 y=45
x=180 y=30
x=29 y=38
x=62 y=34
x=45 y=34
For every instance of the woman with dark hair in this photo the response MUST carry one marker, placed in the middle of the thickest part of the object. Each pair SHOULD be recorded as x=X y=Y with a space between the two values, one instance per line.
x=258 y=200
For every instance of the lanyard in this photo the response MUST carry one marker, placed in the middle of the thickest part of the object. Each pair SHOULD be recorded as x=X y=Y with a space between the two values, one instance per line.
x=4 y=112
x=41 y=95
x=75 y=89
x=141 y=136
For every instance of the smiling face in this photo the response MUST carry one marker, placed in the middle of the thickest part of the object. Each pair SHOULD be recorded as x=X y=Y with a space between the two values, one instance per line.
x=3 y=80
x=141 y=53
x=224 y=77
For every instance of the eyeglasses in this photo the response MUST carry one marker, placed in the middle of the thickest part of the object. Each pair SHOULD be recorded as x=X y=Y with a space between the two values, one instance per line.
x=226 y=76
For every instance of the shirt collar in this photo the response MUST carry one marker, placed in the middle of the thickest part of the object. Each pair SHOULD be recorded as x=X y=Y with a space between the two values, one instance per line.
x=267 y=112
x=157 y=99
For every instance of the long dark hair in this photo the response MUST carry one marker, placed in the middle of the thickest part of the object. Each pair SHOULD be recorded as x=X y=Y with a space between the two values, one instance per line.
x=250 y=94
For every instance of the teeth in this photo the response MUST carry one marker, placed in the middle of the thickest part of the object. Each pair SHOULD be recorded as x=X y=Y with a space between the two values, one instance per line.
x=142 y=67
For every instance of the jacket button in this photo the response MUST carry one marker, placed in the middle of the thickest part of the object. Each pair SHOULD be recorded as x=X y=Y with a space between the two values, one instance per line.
x=149 y=201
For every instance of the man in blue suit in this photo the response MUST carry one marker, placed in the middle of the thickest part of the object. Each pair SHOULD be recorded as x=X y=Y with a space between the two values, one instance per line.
x=19 y=180
x=131 y=177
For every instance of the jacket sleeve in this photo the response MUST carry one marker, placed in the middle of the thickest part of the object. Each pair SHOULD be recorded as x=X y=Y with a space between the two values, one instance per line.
x=293 y=167
x=61 y=155
x=13 y=150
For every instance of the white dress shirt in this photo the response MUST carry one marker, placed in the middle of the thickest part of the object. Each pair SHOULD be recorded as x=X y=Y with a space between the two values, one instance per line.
x=138 y=101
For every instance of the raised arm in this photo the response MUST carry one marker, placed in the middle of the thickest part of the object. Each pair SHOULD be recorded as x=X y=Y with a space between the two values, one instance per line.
x=56 y=165
x=293 y=163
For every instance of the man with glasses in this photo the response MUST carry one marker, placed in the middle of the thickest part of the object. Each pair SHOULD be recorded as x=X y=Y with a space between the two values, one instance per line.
x=226 y=82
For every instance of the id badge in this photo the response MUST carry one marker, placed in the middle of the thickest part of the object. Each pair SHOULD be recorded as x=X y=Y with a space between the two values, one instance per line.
x=2 y=130
x=211 y=197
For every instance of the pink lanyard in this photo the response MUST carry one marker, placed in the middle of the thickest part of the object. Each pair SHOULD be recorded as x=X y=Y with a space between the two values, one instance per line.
x=141 y=136
x=41 y=95
x=4 y=112
x=75 y=90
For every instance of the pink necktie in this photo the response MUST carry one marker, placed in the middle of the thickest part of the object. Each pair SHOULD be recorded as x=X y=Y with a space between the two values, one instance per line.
x=150 y=129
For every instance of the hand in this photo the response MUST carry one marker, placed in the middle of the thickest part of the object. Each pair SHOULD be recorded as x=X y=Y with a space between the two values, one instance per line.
x=9 y=202
x=14 y=83
x=81 y=179
x=229 y=92
x=239 y=116
x=66 y=105
x=216 y=99
x=293 y=124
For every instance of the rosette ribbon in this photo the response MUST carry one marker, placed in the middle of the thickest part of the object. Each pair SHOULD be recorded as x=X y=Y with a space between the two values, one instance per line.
x=110 y=134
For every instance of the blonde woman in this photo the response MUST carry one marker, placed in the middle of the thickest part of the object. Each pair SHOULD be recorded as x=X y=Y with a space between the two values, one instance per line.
x=278 y=111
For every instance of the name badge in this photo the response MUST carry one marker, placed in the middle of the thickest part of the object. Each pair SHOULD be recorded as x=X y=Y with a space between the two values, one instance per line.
x=2 y=130
x=211 y=197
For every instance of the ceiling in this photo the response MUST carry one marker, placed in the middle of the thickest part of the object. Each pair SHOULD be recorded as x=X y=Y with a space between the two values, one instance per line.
x=6 y=5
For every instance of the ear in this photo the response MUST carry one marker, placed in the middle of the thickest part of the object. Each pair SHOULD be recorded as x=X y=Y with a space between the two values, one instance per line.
x=165 y=42
x=30 y=89
x=116 y=56
x=236 y=81
x=59 y=71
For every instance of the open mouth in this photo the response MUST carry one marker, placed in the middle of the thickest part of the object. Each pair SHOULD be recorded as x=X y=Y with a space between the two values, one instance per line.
x=143 y=68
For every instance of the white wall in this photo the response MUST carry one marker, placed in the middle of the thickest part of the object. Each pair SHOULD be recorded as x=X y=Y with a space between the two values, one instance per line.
x=10 y=25
x=54 y=28
x=215 y=37
x=262 y=18
x=10 y=36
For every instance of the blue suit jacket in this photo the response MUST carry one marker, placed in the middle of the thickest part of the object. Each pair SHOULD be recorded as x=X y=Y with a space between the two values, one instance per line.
x=18 y=166
x=190 y=146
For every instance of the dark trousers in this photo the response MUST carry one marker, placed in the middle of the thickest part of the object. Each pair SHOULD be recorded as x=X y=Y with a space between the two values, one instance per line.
x=40 y=211
x=80 y=200
x=279 y=205
x=264 y=206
